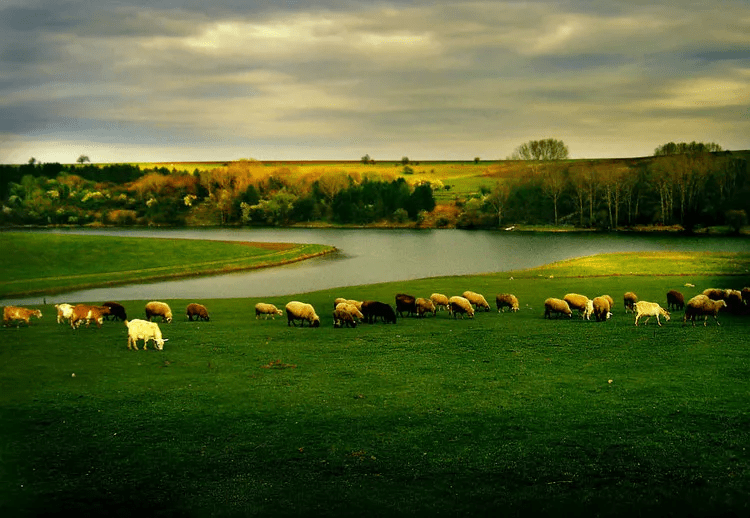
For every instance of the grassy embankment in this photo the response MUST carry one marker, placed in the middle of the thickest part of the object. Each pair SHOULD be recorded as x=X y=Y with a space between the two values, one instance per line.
x=431 y=416
x=50 y=263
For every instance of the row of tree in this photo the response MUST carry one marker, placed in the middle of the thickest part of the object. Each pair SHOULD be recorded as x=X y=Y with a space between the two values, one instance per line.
x=239 y=193
x=682 y=185
x=689 y=189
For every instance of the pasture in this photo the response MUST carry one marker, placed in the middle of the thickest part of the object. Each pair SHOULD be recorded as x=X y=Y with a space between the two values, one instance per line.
x=52 y=263
x=505 y=413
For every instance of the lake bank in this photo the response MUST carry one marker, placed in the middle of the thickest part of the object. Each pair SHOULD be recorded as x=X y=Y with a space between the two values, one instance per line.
x=367 y=256
x=50 y=263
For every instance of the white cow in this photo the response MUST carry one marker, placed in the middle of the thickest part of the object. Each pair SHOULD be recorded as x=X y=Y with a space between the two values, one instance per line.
x=144 y=330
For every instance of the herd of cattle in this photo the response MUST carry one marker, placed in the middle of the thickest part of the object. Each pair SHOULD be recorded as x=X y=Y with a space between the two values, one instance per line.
x=347 y=312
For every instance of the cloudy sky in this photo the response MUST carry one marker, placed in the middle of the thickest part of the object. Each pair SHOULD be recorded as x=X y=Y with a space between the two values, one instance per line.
x=175 y=80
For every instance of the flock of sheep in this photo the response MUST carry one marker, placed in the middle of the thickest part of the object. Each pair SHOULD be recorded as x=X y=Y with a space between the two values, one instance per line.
x=706 y=304
x=348 y=313
x=138 y=329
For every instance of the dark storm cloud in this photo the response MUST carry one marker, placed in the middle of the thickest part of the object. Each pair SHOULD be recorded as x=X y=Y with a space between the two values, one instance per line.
x=441 y=77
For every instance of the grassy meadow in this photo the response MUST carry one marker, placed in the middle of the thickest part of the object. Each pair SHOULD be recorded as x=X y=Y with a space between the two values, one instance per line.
x=49 y=263
x=505 y=414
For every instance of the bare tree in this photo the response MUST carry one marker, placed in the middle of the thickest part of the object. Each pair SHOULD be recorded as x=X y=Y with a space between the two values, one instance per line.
x=498 y=198
x=578 y=178
x=547 y=149
x=553 y=185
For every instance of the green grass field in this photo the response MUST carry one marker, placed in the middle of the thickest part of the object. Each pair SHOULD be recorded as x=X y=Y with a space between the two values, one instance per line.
x=505 y=414
x=53 y=263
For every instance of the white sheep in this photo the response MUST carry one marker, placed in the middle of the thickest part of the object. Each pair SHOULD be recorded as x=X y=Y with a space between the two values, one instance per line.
x=64 y=312
x=589 y=310
x=557 y=306
x=701 y=305
x=351 y=309
x=477 y=299
x=158 y=309
x=144 y=330
x=649 y=309
x=342 y=317
x=301 y=311
x=355 y=303
x=261 y=308
x=440 y=301
x=459 y=306
x=602 y=307
x=576 y=302
x=506 y=300
x=425 y=306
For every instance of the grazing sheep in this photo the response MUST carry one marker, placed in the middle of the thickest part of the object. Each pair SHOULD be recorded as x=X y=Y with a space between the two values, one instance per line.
x=649 y=309
x=11 y=313
x=734 y=301
x=64 y=312
x=158 y=309
x=630 y=299
x=589 y=310
x=477 y=299
x=440 y=301
x=461 y=306
x=84 y=312
x=714 y=293
x=372 y=310
x=675 y=300
x=351 y=309
x=341 y=318
x=144 y=330
x=261 y=308
x=701 y=305
x=425 y=306
x=116 y=310
x=733 y=298
x=611 y=303
x=301 y=311
x=198 y=311
x=356 y=303
x=506 y=300
x=406 y=303
x=557 y=306
x=576 y=302
x=745 y=292
x=601 y=308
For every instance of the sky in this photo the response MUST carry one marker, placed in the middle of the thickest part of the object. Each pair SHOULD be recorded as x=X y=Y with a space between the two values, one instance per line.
x=191 y=80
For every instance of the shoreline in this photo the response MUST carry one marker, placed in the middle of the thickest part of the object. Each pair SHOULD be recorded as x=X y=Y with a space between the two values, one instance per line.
x=719 y=231
x=168 y=277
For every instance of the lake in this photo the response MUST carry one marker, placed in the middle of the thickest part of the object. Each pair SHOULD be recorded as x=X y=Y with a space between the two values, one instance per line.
x=367 y=256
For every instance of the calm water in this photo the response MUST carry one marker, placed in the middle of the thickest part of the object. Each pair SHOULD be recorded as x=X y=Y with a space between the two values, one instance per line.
x=368 y=256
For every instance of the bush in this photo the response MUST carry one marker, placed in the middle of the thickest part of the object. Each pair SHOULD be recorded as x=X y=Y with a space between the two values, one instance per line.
x=400 y=216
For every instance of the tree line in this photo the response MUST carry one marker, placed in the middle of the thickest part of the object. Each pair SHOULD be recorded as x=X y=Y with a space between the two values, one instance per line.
x=685 y=189
x=689 y=185
x=239 y=193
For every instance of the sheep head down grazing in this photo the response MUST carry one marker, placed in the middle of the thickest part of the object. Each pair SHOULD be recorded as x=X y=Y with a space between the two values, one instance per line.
x=301 y=311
